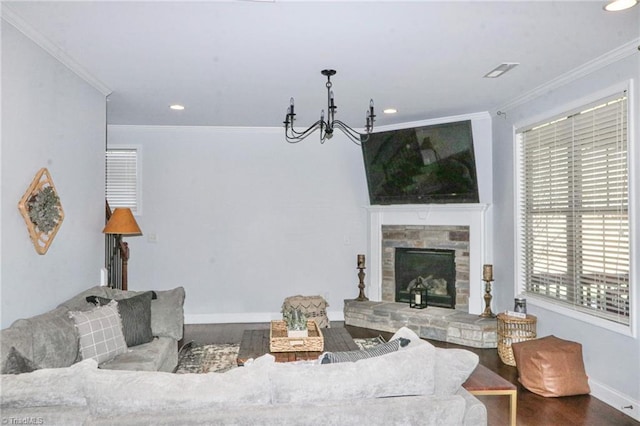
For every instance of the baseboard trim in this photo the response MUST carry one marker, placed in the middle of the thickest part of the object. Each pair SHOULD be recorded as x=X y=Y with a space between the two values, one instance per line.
x=617 y=400
x=246 y=317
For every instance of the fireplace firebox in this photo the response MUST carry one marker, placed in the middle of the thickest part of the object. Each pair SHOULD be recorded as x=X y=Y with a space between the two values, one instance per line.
x=435 y=269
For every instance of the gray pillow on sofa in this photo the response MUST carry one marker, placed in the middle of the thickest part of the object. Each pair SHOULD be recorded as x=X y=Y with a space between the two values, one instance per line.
x=135 y=313
x=18 y=363
x=167 y=311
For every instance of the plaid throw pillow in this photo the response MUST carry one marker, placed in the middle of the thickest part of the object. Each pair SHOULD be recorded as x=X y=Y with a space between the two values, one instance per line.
x=100 y=332
x=352 y=356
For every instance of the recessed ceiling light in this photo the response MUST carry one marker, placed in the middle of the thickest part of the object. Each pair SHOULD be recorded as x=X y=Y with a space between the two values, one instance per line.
x=618 y=5
x=176 y=107
x=501 y=69
x=389 y=110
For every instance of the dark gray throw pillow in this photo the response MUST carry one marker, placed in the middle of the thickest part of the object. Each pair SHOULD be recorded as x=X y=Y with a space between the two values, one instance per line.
x=17 y=363
x=135 y=313
x=352 y=356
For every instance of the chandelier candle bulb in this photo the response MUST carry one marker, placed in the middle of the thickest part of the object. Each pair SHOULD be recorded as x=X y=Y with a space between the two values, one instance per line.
x=487 y=272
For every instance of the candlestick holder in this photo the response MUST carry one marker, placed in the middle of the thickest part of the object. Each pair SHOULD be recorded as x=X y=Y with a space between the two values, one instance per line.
x=361 y=297
x=487 y=300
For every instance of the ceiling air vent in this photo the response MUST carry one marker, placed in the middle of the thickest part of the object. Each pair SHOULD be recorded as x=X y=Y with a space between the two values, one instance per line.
x=501 y=69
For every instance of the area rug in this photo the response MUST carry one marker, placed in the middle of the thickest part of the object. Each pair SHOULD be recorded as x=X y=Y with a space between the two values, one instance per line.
x=195 y=358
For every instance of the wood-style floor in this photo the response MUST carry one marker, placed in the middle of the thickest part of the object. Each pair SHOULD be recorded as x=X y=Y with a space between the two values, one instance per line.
x=533 y=410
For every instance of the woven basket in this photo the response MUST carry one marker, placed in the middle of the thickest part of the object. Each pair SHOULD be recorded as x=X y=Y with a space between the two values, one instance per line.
x=279 y=341
x=513 y=330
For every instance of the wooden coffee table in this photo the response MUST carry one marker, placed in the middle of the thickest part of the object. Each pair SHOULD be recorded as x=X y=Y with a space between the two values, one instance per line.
x=255 y=343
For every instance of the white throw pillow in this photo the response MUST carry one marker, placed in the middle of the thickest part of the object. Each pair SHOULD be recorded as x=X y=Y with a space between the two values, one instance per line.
x=452 y=366
x=407 y=333
x=100 y=332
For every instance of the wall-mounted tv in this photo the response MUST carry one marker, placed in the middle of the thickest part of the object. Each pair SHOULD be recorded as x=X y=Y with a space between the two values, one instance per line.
x=422 y=165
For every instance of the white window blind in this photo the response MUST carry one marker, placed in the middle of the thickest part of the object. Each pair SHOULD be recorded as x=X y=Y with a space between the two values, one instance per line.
x=573 y=210
x=122 y=178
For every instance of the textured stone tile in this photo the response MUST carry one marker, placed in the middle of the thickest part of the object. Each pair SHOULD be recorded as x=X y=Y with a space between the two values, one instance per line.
x=421 y=321
x=459 y=235
x=472 y=335
x=433 y=333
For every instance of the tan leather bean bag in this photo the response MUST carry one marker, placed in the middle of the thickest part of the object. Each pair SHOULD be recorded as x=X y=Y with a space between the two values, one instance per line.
x=551 y=366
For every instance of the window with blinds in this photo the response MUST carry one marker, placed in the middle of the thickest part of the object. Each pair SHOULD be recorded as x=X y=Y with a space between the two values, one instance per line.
x=123 y=179
x=573 y=210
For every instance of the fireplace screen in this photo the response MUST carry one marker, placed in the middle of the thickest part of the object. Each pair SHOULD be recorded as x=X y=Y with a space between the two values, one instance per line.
x=435 y=269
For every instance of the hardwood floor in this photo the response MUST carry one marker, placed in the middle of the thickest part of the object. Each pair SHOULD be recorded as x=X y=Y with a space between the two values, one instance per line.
x=533 y=410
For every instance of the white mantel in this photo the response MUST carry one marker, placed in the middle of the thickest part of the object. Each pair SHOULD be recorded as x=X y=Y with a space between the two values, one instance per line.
x=471 y=215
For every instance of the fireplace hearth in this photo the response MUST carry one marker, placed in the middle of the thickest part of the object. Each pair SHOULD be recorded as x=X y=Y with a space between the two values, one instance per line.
x=434 y=269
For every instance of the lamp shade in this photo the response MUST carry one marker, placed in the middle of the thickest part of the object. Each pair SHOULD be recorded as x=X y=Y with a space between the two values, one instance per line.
x=122 y=222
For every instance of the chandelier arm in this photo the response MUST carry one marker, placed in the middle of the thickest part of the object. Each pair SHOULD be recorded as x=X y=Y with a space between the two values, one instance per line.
x=353 y=135
x=296 y=136
x=337 y=124
x=307 y=131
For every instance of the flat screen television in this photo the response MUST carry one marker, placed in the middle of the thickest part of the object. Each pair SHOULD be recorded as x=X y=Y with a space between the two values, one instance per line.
x=422 y=165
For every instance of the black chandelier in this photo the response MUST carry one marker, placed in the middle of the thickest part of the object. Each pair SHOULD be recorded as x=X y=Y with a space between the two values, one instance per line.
x=327 y=127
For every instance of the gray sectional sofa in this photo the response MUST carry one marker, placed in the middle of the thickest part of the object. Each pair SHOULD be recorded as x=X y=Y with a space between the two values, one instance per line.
x=416 y=385
x=50 y=340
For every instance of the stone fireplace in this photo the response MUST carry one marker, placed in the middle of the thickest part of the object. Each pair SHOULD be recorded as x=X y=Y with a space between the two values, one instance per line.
x=458 y=229
x=439 y=255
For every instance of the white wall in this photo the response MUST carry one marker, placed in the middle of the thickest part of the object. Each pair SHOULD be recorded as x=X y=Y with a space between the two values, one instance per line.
x=611 y=359
x=243 y=219
x=50 y=118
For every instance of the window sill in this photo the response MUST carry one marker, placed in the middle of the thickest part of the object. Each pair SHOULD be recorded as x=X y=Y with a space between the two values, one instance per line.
x=625 y=330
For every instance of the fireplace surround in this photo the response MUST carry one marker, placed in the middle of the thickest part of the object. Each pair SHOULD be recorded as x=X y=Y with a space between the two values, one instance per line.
x=457 y=227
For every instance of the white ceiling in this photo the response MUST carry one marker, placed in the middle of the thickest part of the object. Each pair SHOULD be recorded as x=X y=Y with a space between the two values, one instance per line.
x=237 y=63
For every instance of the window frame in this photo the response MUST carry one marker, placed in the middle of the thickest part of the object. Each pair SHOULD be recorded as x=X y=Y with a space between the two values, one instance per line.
x=138 y=149
x=520 y=286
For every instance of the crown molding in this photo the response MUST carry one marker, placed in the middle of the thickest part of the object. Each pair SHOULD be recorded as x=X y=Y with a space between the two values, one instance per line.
x=11 y=17
x=483 y=115
x=608 y=58
x=196 y=129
